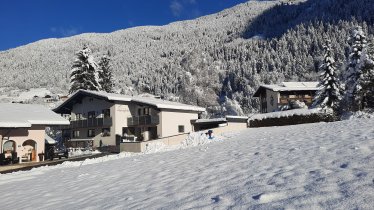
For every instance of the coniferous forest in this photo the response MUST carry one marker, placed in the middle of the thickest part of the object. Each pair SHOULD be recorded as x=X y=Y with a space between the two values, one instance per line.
x=216 y=61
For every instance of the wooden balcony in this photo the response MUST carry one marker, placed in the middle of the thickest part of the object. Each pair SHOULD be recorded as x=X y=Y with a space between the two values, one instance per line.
x=90 y=123
x=143 y=120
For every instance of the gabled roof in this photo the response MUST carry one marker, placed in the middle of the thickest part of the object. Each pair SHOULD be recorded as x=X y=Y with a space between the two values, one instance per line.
x=76 y=97
x=26 y=115
x=288 y=86
x=151 y=101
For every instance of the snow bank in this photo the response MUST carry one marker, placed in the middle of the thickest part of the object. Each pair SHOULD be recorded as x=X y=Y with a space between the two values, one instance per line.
x=192 y=140
x=358 y=115
x=74 y=152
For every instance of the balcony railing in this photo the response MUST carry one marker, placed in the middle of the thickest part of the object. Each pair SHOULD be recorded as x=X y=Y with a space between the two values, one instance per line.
x=92 y=122
x=143 y=120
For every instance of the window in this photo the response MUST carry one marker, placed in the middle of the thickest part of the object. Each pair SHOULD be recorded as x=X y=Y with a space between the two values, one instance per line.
x=272 y=100
x=105 y=132
x=90 y=99
x=91 y=114
x=106 y=113
x=181 y=128
x=75 y=134
x=91 y=133
x=78 y=116
x=146 y=111
x=139 y=112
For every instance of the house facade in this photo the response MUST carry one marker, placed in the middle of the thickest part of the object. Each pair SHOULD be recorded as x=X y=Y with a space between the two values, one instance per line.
x=106 y=119
x=22 y=131
x=278 y=97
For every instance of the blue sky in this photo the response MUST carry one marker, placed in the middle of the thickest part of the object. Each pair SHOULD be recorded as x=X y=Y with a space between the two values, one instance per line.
x=26 y=21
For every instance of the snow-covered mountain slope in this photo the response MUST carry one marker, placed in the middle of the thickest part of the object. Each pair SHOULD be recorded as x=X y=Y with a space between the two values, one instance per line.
x=216 y=61
x=310 y=166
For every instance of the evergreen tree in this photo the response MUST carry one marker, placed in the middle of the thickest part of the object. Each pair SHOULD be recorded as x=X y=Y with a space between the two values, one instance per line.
x=365 y=92
x=84 y=73
x=105 y=74
x=328 y=96
x=357 y=42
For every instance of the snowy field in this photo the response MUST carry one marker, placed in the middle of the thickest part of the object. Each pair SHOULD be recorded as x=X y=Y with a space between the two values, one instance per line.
x=311 y=166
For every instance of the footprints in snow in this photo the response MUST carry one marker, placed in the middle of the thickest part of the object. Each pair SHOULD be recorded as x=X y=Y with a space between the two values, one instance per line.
x=221 y=200
x=344 y=165
x=269 y=197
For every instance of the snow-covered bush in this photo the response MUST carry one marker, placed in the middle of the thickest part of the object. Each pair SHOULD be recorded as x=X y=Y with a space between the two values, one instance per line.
x=297 y=105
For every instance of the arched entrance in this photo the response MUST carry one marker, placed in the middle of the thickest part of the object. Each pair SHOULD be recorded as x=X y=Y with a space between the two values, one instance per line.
x=29 y=150
x=8 y=153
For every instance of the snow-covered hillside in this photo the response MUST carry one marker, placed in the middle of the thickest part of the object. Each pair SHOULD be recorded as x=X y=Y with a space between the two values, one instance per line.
x=310 y=166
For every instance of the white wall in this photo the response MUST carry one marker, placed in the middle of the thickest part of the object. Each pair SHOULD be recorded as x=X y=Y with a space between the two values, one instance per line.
x=170 y=120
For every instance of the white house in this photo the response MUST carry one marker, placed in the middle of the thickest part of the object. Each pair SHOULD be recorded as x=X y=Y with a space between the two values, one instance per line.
x=22 y=130
x=99 y=118
x=275 y=97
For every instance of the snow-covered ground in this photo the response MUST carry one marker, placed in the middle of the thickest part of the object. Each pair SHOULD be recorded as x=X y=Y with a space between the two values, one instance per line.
x=310 y=166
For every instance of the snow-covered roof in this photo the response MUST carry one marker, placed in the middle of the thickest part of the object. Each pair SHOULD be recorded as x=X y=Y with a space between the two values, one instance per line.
x=210 y=120
x=163 y=104
x=236 y=117
x=26 y=115
x=39 y=92
x=158 y=103
x=228 y=118
x=108 y=96
x=288 y=86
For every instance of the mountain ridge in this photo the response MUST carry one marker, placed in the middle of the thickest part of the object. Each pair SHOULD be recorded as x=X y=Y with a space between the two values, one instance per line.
x=207 y=61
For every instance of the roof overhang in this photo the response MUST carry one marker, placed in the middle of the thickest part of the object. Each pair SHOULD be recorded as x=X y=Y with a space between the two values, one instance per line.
x=258 y=91
x=67 y=106
x=230 y=118
x=282 y=89
x=15 y=125
x=209 y=121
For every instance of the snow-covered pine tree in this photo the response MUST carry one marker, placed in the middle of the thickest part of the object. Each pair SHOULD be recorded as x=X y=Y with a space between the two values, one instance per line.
x=84 y=72
x=329 y=94
x=105 y=74
x=365 y=93
x=357 y=42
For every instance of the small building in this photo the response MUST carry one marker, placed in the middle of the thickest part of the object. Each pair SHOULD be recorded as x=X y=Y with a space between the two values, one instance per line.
x=278 y=97
x=220 y=125
x=22 y=130
x=106 y=119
